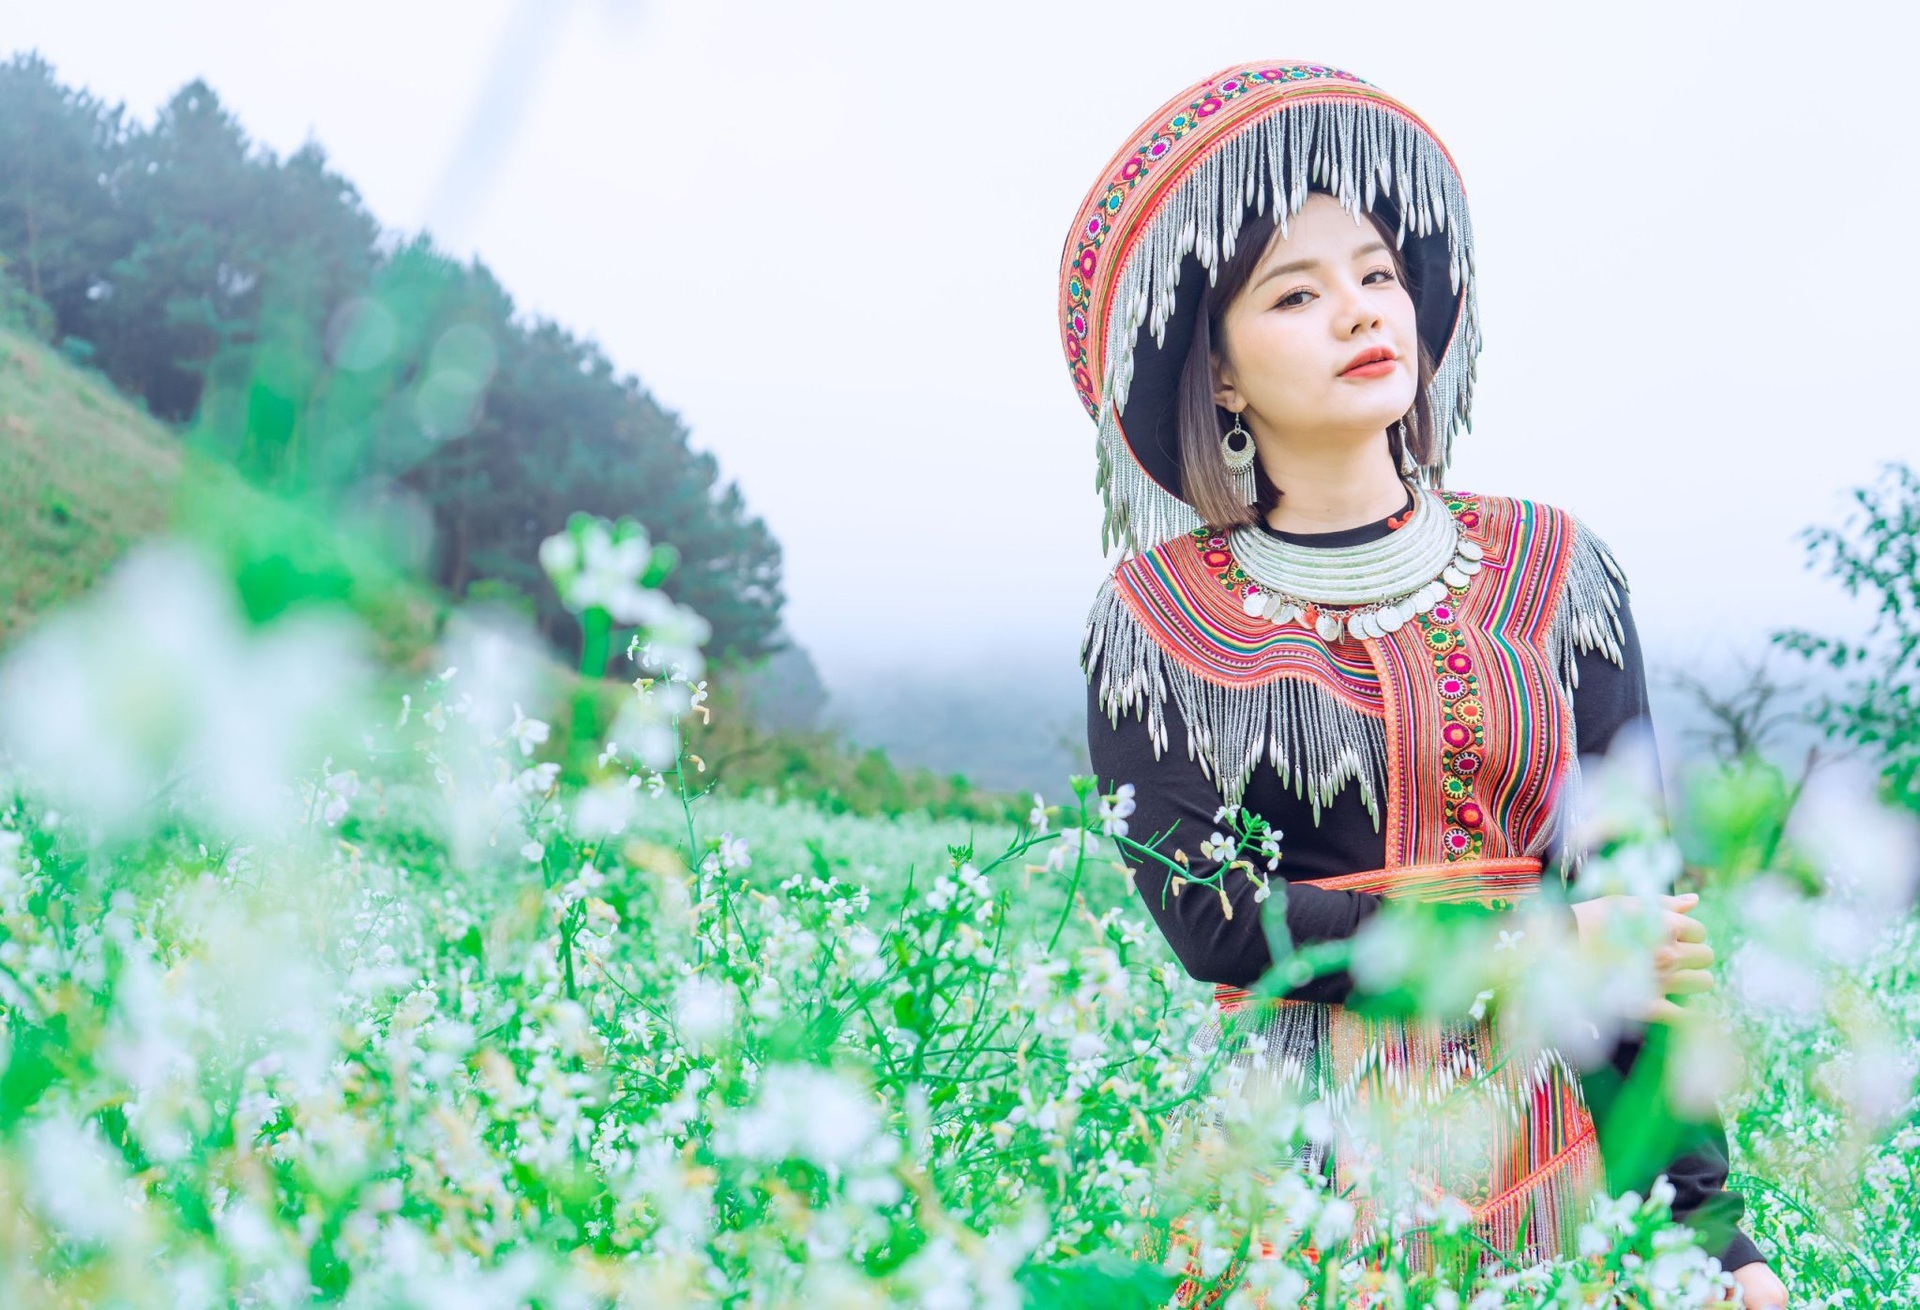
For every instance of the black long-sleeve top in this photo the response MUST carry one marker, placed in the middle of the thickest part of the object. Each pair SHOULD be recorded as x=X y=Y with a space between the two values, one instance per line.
x=1173 y=796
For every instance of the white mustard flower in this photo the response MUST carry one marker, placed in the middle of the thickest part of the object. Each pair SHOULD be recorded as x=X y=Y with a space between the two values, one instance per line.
x=1114 y=810
x=526 y=733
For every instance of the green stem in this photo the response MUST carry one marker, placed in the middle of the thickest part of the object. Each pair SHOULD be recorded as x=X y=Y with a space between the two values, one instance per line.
x=1079 y=865
x=596 y=633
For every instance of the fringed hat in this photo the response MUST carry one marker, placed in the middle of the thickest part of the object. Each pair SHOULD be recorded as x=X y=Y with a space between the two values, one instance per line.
x=1168 y=207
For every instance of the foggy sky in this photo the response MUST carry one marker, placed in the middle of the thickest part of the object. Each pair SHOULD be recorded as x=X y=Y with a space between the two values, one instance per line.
x=827 y=234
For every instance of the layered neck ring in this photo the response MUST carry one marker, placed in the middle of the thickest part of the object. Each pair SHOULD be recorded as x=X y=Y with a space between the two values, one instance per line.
x=1370 y=589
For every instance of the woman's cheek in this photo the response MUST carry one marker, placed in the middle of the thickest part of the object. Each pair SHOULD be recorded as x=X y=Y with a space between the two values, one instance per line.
x=1282 y=356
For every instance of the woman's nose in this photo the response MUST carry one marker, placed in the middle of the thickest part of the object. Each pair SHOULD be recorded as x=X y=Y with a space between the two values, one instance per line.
x=1356 y=311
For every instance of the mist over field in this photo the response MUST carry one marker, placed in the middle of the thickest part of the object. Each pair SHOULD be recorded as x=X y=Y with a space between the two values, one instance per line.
x=1008 y=721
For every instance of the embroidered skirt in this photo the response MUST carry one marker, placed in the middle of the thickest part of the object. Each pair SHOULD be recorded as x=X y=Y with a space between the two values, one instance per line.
x=1423 y=1108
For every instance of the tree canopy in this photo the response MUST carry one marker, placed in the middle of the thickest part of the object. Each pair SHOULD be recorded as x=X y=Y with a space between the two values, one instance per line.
x=255 y=303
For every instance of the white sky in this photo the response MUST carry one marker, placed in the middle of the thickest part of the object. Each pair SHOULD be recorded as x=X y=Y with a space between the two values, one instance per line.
x=826 y=234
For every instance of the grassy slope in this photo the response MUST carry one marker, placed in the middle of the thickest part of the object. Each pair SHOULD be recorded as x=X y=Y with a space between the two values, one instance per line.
x=84 y=474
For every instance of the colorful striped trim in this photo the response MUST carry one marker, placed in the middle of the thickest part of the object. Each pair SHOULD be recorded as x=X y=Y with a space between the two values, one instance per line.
x=1491 y=882
x=1459 y=726
x=1179 y=599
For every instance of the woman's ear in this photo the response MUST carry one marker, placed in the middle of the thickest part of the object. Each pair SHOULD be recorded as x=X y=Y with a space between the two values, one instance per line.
x=1225 y=395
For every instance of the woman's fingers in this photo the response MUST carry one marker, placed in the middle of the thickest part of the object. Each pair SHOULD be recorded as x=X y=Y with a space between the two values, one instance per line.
x=1687 y=982
x=1684 y=955
x=1683 y=928
x=1683 y=963
x=1664 y=1011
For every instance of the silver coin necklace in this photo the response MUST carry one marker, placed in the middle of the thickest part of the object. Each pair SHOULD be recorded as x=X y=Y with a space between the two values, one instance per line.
x=1368 y=590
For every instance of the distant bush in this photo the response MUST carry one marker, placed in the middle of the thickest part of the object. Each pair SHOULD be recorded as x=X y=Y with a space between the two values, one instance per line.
x=736 y=757
x=21 y=310
x=1876 y=556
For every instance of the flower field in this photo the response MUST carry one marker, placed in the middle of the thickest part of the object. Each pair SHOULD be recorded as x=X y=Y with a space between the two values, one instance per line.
x=315 y=994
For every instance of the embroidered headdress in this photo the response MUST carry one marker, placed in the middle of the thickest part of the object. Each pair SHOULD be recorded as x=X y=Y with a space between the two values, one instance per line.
x=1165 y=212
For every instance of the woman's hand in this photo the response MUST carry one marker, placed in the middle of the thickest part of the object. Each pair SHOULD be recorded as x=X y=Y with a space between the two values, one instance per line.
x=1681 y=963
x=1759 y=1287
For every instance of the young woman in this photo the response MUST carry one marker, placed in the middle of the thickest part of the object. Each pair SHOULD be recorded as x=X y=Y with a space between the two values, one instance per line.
x=1268 y=307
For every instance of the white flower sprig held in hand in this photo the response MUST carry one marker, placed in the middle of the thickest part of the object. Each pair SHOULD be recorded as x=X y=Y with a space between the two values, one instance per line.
x=1248 y=838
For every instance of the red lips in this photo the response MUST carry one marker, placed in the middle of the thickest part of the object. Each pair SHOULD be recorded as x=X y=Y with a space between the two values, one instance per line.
x=1371 y=355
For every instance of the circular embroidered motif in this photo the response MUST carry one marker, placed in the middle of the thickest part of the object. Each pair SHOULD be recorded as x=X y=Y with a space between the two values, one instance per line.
x=1457 y=736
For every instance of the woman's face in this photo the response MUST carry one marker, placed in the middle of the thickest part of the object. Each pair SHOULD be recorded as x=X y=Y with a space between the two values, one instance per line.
x=1318 y=298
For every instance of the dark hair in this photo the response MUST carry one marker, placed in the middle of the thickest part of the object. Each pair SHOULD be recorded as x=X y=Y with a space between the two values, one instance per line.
x=1204 y=481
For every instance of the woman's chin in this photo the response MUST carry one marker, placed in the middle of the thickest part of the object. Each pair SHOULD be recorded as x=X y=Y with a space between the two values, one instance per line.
x=1351 y=413
x=1349 y=426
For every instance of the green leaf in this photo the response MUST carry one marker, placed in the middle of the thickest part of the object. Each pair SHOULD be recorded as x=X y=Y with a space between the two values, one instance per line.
x=1104 y=1281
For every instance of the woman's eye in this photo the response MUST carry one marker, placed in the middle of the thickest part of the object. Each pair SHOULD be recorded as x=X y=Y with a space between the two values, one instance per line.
x=1292 y=297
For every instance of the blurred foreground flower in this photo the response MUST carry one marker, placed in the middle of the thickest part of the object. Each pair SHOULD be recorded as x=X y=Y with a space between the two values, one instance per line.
x=616 y=570
x=1869 y=851
x=1809 y=963
x=478 y=739
x=812 y=1114
x=154 y=682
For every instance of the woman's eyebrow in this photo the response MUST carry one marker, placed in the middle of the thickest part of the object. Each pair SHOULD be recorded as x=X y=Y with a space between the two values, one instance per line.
x=1300 y=264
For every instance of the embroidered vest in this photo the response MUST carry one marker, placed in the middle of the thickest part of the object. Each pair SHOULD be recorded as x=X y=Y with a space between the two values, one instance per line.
x=1462 y=720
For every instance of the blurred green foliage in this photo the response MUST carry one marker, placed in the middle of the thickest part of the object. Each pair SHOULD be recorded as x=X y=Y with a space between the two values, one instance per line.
x=257 y=306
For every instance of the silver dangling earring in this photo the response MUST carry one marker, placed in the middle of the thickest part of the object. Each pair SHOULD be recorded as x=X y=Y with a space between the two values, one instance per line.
x=1408 y=466
x=1236 y=449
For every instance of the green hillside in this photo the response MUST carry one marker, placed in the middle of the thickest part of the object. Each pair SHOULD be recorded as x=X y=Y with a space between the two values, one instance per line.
x=84 y=475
